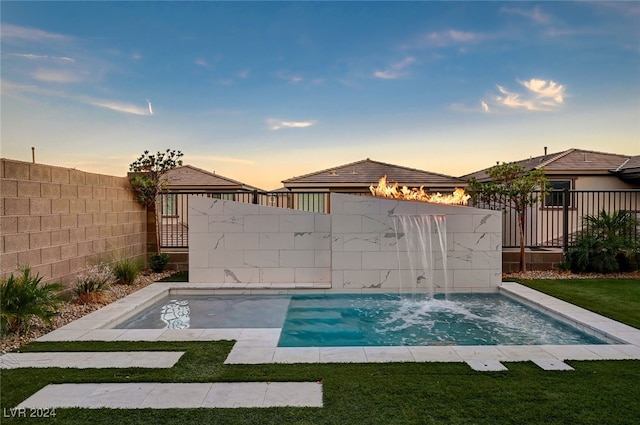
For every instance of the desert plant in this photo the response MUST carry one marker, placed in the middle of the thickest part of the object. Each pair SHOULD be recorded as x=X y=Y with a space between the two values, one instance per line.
x=24 y=297
x=608 y=243
x=95 y=280
x=158 y=262
x=126 y=270
x=149 y=180
x=512 y=187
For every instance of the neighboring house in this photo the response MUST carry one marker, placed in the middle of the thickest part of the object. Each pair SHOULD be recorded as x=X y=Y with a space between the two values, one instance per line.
x=189 y=180
x=581 y=170
x=597 y=181
x=311 y=191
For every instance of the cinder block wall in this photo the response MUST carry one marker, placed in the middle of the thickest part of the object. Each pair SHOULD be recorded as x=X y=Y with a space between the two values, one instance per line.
x=59 y=221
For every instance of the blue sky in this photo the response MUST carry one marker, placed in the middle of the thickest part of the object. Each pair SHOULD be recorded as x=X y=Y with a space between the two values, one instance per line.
x=262 y=92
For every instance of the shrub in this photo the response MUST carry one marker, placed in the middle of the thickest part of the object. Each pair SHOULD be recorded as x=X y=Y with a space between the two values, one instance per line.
x=126 y=270
x=94 y=281
x=609 y=243
x=22 y=298
x=158 y=262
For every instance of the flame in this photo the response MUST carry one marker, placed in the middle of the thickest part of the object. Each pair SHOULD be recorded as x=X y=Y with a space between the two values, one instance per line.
x=383 y=190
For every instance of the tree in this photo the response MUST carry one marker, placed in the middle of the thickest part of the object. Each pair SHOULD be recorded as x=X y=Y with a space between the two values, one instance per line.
x=511 y=187
x=150 y=180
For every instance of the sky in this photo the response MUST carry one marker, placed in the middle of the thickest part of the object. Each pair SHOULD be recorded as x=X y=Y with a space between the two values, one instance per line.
x=261 y=92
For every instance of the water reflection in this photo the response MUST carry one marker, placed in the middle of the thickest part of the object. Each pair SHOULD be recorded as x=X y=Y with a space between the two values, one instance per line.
x=176 y=314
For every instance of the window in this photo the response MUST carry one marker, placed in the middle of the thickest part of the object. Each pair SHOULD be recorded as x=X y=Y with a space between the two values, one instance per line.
x=313 y=202
x=169 y=204
x=556 y=197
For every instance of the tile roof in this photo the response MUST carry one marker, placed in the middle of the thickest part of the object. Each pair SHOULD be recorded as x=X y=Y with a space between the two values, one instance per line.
x=366 y=172
x=571 y=161
x=190 y=176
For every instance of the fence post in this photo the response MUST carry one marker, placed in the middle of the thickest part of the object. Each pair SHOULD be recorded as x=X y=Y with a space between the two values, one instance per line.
x=565 y=219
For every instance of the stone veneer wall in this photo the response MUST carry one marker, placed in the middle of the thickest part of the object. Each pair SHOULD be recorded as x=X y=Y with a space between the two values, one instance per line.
x=59 y=221
x=364 y=248
x=246 y=245
x=352 y=249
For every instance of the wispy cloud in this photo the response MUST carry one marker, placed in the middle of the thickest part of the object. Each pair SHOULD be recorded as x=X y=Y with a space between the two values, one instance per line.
x=56 y=75
x=202 y=62
x=540 y=95
x=535 y=14
x=289 y=76
x=276 y=124
x=396 y=70
x=33 y=57
x=127 y=108
x=15 y=32
x=445 y=38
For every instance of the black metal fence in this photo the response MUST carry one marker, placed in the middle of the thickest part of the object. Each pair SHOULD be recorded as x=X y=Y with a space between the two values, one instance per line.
x=552 y=222
x=556 y=219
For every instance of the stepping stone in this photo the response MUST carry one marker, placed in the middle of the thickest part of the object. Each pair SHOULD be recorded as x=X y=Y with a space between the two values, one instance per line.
x=84 y=360
x=169 y=396
x=552 y=364
x=486 y=365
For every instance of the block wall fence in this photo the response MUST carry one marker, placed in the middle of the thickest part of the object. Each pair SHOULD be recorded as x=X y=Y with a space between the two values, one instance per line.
x=59 y=221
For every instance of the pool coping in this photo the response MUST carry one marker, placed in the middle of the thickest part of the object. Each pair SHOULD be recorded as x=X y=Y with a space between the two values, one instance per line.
x=259 y=346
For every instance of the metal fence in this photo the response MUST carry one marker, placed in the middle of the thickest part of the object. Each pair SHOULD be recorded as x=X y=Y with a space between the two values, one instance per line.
x=553 y=222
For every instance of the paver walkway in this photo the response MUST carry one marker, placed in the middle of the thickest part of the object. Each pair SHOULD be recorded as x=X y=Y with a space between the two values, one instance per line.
x=83 y=360
x=167 y=396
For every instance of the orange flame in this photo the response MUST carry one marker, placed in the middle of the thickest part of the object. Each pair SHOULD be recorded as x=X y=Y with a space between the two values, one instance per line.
x=383 y=190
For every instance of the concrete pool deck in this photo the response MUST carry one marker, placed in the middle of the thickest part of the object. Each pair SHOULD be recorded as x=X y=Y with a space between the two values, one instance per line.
x=259 y=346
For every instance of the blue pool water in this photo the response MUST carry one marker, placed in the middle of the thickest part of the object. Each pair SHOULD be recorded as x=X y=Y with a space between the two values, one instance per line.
x=367 y=320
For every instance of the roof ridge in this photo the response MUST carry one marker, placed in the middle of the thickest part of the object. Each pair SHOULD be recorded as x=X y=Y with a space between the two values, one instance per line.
x=325 y=170
x=555 y=158
x=213 y=174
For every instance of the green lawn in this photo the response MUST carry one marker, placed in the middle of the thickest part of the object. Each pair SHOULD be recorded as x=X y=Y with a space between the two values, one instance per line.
x=597 y=392
x=618 y=299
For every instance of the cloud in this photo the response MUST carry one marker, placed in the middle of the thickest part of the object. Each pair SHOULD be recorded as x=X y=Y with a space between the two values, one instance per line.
x=535 y=14
x=275 y=124
x=288 y=76
x=15 y=32
x=396 y=70
x=42 y=57
x=56 y=76
x=201 y=62
x=127 y=108
x=540 y=95
x=546 y=89
x=445 y=39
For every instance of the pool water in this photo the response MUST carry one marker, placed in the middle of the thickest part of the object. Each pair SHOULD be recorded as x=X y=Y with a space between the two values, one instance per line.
x=338 y=320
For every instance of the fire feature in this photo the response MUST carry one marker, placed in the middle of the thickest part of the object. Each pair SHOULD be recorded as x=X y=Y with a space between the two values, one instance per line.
x=383 y=190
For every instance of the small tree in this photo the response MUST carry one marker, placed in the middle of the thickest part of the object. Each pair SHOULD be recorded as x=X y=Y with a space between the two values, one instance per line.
x=150 y=180
x=512 y=187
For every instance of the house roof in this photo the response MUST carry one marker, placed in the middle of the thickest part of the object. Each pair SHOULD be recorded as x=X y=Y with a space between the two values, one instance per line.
x=188 y=176
x=630 y=169
x=572 y=161
x=366 y=172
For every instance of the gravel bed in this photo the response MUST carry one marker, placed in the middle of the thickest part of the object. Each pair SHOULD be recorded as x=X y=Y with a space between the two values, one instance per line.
x=73 y=309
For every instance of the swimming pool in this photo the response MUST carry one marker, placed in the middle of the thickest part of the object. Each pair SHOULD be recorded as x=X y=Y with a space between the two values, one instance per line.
x=334 y=320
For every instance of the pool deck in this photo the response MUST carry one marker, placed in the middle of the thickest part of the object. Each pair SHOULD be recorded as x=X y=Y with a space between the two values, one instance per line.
x=259 y=346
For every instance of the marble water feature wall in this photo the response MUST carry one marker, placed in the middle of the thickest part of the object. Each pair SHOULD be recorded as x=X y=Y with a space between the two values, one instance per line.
x=352 y=249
